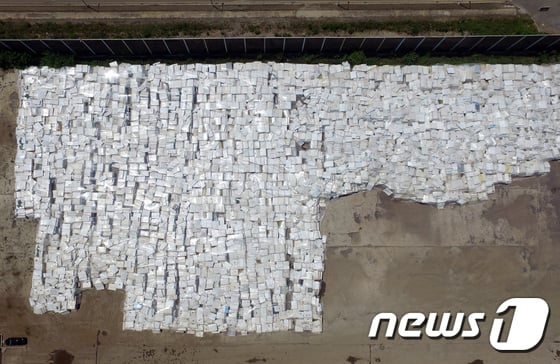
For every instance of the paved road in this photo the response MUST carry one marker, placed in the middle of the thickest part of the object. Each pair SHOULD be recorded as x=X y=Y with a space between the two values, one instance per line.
x=547 y=21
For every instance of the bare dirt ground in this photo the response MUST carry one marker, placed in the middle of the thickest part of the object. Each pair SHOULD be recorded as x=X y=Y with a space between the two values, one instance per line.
x=240 y=8
x=239 y=18
x=269 y=16
x=382 y=255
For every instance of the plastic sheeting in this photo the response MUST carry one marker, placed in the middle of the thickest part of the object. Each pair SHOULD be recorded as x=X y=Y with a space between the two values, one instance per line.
x=198 y=188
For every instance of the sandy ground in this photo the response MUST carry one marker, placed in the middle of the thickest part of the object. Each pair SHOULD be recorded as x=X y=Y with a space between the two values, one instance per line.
x=382 y=255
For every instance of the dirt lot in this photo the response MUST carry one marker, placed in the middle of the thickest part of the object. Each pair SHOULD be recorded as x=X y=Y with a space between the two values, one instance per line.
x=382 y=255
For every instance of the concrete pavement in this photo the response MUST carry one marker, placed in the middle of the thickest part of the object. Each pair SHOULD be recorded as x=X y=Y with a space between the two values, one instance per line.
x=546 y=20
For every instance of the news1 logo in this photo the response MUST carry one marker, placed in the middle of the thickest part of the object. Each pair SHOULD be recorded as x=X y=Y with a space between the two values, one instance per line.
x=526 y=330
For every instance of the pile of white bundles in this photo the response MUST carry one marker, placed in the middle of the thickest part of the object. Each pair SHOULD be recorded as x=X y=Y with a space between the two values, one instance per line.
x=198 y=189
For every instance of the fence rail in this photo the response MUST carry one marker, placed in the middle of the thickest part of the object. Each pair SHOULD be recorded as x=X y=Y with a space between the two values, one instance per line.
x=219 y=47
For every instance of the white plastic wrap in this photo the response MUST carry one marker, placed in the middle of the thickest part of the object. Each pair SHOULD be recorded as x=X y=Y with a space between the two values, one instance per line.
x=198 y=187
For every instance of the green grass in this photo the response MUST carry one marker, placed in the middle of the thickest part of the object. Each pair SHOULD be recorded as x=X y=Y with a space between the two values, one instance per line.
x=506 y=26
x=18 y=60
x=9 y=60
x=427 y=59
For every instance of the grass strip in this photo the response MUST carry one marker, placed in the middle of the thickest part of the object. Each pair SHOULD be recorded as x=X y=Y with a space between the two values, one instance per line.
x=481 y=26
x=10 y=60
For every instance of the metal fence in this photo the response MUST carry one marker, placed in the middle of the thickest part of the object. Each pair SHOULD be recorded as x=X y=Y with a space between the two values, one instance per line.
x=219 y=47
